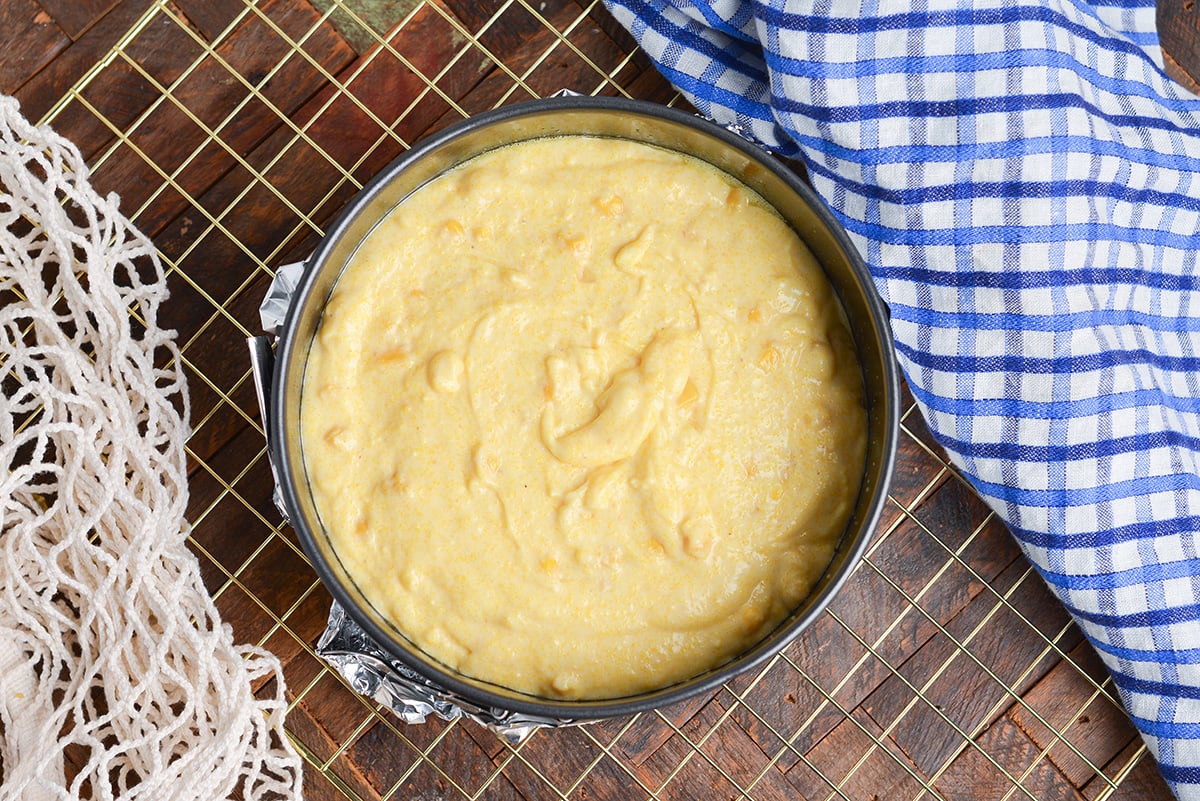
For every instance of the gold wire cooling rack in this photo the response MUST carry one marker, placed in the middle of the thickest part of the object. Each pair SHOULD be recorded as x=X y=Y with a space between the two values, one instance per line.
x=234 y=130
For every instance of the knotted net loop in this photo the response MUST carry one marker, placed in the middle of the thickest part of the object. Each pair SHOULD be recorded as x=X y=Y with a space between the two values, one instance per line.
x=117 y=678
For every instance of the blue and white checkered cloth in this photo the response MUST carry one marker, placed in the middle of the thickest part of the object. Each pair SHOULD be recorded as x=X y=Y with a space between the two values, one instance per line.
x=1024 y=183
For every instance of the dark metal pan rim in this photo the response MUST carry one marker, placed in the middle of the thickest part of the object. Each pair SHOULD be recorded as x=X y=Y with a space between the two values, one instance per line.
x=641 y=121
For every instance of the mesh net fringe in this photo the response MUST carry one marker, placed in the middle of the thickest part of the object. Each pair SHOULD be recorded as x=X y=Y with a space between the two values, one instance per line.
x=117 y=678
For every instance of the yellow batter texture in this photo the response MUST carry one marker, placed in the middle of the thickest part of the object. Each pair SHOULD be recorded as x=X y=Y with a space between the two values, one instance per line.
x=583 y=418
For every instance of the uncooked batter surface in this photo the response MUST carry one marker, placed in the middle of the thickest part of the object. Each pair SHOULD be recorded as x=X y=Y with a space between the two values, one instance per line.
x=582 y=417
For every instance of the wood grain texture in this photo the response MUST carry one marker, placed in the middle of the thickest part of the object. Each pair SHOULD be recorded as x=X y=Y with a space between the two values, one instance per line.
x=1179 y=33
x=32 y=37
x=74 y=17
x=943 y=669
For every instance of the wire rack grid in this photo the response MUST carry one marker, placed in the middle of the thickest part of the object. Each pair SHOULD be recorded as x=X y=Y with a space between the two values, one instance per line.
x=234 y=130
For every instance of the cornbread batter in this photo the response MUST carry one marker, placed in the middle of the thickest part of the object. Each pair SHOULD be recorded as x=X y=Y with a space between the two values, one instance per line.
x=583 y=418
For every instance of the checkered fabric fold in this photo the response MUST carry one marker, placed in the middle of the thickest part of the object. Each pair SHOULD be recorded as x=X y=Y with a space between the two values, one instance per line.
x=1024 y=183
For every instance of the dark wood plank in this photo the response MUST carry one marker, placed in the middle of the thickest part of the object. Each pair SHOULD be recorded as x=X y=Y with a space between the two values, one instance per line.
x=466 y=756
x=318 y=786
x=519 y=40
x=377 y=759
x=341 y=130
x=242 y=613
x=372 y=20
x=648 y=733
x=428 y=782
x=1097 y=726
x=839 y=760
x=76 y=16
x=1144 y=781
x=649 y=84
x=230 y=532
x=607 y=781
x=917 y=471
x=1002 y=756
x=39 y=94
x=31 y=40
x=560 y=756
x=398 y=97
x=170 y=135
x=697 y=778
x=474 y=15
x=278 y=576
x=1179 y=34
x=212 y=17
x=958 y=693
x=292 y=645
x=723 y=741
x=335 y=711
x=771 y=712
x=914 y=561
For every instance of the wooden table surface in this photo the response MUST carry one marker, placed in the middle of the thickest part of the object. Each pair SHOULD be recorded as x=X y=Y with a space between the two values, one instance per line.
x=234 y=132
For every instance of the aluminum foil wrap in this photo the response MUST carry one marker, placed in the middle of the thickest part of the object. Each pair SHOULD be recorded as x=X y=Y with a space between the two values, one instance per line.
x=368 y=668
x=373 y=673
x=275 y=305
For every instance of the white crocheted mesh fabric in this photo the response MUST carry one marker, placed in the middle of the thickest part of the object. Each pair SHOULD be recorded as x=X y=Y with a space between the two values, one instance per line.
x=117 y=678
